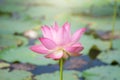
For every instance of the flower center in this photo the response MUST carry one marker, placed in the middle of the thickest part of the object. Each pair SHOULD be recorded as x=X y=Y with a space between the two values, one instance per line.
x=65 y=53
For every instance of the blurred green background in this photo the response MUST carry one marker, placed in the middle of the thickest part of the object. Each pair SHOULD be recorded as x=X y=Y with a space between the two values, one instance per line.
x=20 y=22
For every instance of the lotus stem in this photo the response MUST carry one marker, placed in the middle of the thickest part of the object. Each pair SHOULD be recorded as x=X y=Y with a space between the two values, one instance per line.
x=113 y=23
x=61 y=68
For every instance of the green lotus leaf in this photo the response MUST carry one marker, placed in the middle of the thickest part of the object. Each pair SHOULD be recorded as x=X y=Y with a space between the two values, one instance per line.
x=88 y=42
x=5 y=74
x=11 y=26
x=102 y=73
x=7 y=41
x=110 y=57
x=67 y=75
x=25 y=55
x=116 y=44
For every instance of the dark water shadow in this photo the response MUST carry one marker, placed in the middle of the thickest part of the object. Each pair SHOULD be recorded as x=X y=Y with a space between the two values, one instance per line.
x=52 y=68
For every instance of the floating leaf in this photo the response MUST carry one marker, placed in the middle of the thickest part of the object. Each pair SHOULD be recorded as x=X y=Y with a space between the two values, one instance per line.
x=110 y=56
x=89 y=42
x=41 y=12
x=15 y=75
x=18 y=26
x=7 y=41
x=116 y=44
x=101 y=23
x=102 y=73
x=12 y=8
x=24 y=55
x=67 y=75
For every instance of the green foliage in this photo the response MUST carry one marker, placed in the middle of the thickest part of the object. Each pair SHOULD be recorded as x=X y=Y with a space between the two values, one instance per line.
x=42 y=12
x=15 y=75
x=110 y=57
x=67 y=75
x=24 y=55
x=89 y=42
x=104 y=23
x=98 y=7
x=116 y=44
x=10 y=26
x=7 y=41
x=102 y=73
x=11 y=8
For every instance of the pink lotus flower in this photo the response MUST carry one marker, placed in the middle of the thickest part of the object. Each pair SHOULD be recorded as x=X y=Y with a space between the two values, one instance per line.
x=57 y=42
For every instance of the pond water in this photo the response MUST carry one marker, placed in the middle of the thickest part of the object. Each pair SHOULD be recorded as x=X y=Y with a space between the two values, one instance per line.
x=84 y=63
